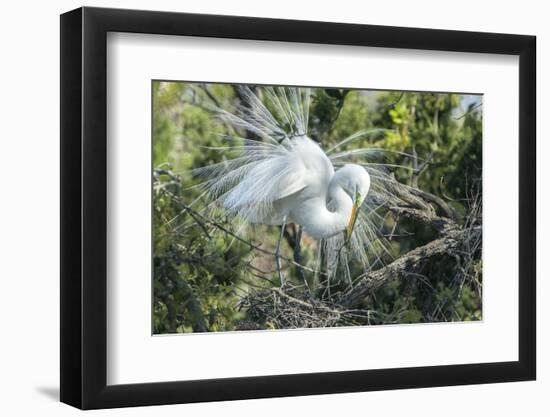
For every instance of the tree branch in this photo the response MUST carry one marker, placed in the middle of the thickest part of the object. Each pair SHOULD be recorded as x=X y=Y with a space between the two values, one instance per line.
x=408 y=264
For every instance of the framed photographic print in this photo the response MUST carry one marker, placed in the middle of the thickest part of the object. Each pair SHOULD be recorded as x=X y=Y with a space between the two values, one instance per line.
x=257 y=208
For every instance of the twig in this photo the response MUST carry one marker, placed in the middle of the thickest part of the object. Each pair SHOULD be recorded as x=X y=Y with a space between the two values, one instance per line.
x=406 y=264
x=392 y=105
x=470 y=111
x=250 y=244
x=204 y=88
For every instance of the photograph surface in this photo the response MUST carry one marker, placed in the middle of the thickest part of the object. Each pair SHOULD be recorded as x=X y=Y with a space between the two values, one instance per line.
x=283 y=207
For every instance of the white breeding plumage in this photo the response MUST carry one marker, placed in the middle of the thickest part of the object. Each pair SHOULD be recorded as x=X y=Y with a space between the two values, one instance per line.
x=282 y=176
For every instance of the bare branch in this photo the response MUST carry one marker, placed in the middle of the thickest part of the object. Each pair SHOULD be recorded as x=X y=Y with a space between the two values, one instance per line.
x=407 y=264
x=447 y=209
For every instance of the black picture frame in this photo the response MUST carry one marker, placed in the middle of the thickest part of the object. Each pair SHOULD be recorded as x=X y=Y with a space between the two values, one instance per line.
x=84 y=207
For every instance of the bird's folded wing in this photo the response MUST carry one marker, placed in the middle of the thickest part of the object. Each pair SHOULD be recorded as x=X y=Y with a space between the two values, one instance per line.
x=270 y=180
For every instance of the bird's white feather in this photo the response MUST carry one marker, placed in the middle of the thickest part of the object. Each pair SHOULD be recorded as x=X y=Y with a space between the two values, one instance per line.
x=277 y=172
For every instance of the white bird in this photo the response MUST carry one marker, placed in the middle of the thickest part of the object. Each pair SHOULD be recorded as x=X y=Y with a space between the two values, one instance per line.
x=282 y=176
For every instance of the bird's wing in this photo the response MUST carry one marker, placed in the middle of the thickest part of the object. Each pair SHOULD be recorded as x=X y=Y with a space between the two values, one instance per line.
x=267 y=181
x=258 y=197
x=254 y=184
x=278 y=163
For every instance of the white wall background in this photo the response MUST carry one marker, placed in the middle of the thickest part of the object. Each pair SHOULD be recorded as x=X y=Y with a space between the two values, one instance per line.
x=29 y=225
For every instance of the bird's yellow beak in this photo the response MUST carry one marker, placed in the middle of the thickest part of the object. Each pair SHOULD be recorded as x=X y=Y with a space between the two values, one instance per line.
x=353 y=218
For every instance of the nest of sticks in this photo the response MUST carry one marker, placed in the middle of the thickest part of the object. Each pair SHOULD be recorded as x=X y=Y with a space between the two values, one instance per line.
x=293 y=307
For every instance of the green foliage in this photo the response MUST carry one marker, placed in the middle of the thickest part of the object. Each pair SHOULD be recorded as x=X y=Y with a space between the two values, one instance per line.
x=202 y=274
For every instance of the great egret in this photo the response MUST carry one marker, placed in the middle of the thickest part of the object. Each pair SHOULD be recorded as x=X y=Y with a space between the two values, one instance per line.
x=279 y=175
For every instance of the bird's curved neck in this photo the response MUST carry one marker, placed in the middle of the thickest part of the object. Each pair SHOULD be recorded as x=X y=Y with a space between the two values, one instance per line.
x=322 y=221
